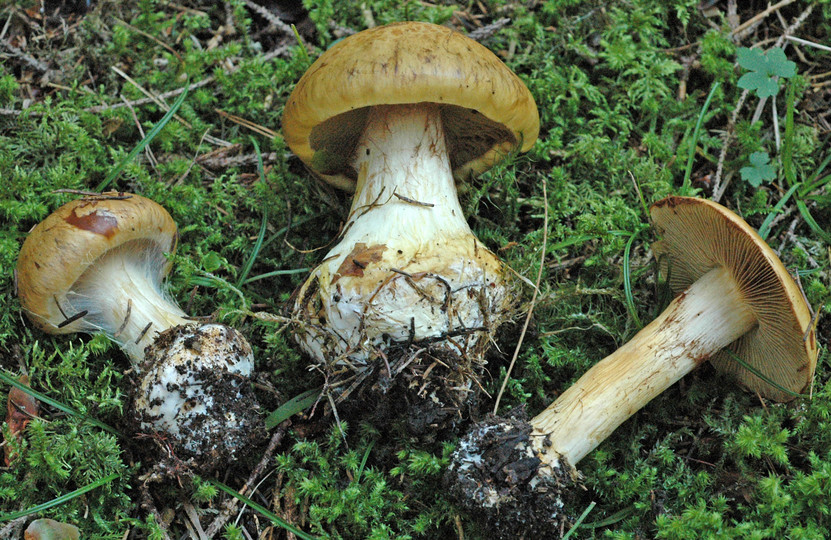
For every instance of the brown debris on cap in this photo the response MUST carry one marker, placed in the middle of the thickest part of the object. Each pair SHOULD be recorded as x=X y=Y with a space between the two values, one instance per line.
x=63 y=246
x=699 y=235
x=487 y=111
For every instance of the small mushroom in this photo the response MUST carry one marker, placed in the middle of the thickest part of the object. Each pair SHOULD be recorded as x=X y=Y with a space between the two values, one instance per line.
x=400 y=114
x=97 y=265
x=733 y=297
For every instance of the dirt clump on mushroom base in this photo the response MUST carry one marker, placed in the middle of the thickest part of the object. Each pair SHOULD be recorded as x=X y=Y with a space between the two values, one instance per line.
x=411 y=326
x=429 y=384
x=432 y=392
x=495 y=474
x=194 y=384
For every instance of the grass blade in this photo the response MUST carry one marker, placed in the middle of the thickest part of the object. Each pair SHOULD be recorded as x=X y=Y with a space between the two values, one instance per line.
x=764 y=230
x=277 y=520
x=363 y=462
x=277 y=273
x=686 y=186
x=59 y=500
x=6 y=378
x=263 y=225
x=576 y=239
x=611 y=520
x=579 y=520
x=292 y=407
x=144 y=142
x=254 y=252
x=753 y=370
x=812 y=223
x=815 y=182
x=627 y=280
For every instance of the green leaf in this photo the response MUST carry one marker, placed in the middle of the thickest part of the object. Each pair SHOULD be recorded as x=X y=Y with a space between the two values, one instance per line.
x=779 y=65
x=211 y=261
x=750 y=59
x=760 y=169
x=761 y=83
x=762 y=68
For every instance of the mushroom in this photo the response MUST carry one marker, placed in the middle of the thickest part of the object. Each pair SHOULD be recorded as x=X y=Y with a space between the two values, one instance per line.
x=399 y=114
x=97 y=265
x=733 y=298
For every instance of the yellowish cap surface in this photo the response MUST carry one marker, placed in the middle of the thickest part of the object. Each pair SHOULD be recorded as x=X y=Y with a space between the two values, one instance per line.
x=70 y=240
x=487 y=110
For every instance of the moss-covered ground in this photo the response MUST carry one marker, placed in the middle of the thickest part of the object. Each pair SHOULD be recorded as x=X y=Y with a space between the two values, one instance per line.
x=620 y=87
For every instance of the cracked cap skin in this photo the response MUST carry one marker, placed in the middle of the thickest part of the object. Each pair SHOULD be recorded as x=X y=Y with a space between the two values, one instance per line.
x=487 y=111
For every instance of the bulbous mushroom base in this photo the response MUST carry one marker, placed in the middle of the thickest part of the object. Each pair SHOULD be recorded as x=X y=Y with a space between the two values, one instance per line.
x=410 y=324
x=194 y=392
x=501 y=480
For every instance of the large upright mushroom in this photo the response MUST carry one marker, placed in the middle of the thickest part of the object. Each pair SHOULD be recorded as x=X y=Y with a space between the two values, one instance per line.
x=734 y=298
x=400 y=114
x=96 y=265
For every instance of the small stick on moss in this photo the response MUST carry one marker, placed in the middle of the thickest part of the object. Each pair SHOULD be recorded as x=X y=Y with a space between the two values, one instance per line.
x=718 y=188
x=270 y=17
x=533 y=300
x=738 y=33
x=30 y=60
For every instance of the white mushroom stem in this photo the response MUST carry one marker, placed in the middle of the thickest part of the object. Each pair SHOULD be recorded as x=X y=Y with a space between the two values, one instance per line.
x=123 y=298
x=408 y=266
x=405 y=191
x=699 y=322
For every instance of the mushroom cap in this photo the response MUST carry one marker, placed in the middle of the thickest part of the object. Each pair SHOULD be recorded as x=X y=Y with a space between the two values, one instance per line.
x=63 y=246
x=487 y=111
x=699 y=235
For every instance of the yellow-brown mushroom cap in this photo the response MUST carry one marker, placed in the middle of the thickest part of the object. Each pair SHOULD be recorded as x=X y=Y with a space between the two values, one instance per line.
x=698 y=235
x=487 y=111
x=70 y=240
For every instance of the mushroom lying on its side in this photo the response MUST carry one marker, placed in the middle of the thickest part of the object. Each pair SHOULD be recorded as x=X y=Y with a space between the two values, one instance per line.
x=734 y=298
x=399 y=114
x=97 y=265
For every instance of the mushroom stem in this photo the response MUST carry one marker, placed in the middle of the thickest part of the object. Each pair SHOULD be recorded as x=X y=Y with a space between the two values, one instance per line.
x=405 y=180
x=123 y=298
x=408 y=267
x=702 y=320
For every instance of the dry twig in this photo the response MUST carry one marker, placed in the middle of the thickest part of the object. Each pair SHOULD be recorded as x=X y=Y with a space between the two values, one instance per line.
x=533 y=301
x=231 y=504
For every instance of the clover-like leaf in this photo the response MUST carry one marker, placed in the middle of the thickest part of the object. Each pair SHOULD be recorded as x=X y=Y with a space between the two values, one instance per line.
x=778 y=63
x=762 y=68
x=760 y=169
x=764 y=85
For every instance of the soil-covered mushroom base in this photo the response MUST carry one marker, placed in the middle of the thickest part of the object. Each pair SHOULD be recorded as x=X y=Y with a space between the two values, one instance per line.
x=497 y=476
x=194 y=393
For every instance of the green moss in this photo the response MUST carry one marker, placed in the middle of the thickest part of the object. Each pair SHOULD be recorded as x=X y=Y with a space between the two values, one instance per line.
x=703 y=460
